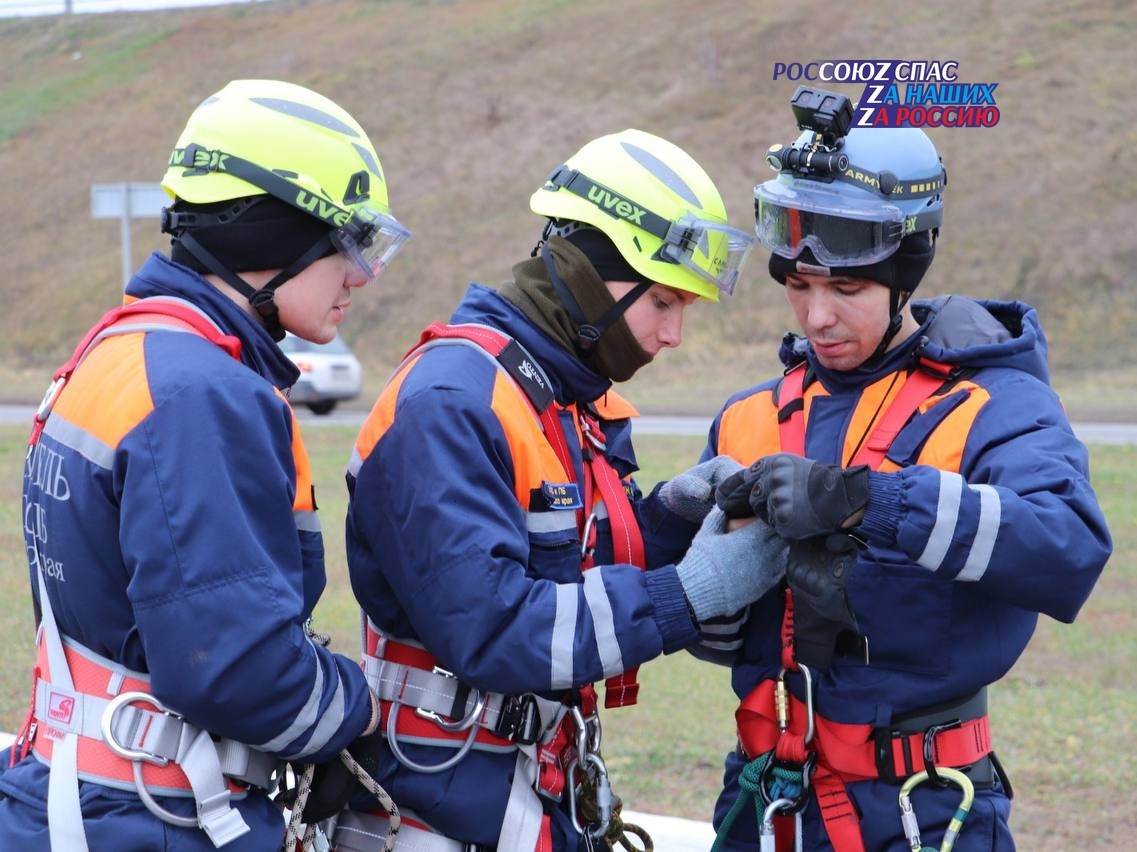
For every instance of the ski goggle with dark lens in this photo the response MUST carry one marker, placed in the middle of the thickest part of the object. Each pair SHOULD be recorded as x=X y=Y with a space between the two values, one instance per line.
x=370 y=239
x=838 y=231
x=714 y=251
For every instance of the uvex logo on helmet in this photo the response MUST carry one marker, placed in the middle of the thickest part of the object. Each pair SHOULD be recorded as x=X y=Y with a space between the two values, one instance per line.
x=615 y=205
x=323 y=209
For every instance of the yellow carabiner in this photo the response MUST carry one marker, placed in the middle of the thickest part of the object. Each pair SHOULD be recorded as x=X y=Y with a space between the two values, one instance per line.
x=908 y=815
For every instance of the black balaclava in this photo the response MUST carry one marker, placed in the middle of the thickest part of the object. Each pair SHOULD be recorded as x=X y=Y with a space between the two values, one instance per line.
x=615 y=353
x=244 y=235
x=901 y=272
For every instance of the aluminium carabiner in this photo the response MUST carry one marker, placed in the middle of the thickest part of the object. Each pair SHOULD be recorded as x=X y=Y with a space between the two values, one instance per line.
x=908 y=814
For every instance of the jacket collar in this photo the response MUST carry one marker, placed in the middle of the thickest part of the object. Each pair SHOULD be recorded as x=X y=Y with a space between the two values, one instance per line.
x=160 y=276
x=572 y=381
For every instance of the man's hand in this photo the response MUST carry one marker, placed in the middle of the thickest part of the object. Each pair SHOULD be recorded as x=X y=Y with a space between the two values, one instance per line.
x=818 y=570
x=691 y=494
x=800 y=498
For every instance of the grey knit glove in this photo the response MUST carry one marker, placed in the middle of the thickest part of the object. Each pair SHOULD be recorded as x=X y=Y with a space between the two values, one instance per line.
x=724 y=571
x=691 y=494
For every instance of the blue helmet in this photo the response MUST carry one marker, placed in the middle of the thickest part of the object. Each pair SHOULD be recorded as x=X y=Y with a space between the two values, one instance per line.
x=853 y=203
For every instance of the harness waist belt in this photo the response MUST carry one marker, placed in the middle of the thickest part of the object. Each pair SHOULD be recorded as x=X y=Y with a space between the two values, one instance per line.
x=119 y=723
x=505 y=719
x=858 y=751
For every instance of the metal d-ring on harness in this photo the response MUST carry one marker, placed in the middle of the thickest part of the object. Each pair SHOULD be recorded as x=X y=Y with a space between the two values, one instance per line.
x=908 y=815
x=468 y=722
x=137 y=757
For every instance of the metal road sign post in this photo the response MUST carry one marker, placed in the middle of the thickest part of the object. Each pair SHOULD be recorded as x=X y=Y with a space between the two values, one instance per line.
x=126 y=201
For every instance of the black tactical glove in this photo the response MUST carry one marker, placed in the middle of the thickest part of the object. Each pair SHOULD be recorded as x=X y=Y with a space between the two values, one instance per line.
x=733 y=494
x=817 y=572
x=800 y=498
x=334 y=784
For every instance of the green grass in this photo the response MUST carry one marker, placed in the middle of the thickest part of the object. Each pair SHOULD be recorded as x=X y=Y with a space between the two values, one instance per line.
x=1062 y=719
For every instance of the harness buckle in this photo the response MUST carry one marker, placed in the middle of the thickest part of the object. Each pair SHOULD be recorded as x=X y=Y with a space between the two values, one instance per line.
x=519 y=719
x=930 y=747
x=108 y=722
x=884 y=752
x=467 y=721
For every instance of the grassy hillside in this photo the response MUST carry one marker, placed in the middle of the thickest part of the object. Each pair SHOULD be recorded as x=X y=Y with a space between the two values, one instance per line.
x=471 y=103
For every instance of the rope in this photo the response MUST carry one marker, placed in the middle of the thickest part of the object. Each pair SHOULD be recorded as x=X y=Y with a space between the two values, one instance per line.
x=750 y=783
x=297 y=838
x=785 y=784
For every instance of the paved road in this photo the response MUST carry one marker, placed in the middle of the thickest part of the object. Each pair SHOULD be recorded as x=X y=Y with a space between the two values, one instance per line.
x=1091 y=433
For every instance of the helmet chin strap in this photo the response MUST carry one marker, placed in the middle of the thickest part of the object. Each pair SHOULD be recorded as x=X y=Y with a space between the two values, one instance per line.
x=588 y=333
x=897 y=300
x=262 y=300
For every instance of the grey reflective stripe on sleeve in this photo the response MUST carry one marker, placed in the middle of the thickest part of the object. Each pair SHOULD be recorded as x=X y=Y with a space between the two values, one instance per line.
x=947 y=520
x=307 y=717
x=947 y=514
x=307 y=521
x=602 y=622
x=564 y=630
x=990 y=513
x=79 y=440
x=550 y=522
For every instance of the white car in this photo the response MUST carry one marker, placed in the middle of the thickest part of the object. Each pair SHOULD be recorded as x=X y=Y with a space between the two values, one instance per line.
x=329 y=373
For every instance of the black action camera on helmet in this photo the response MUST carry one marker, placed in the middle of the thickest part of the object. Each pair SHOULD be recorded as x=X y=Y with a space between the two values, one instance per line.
x=826 y=113
x=825 y=117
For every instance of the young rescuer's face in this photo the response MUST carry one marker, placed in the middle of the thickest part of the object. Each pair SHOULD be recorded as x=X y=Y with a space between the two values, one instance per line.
x=314 y=302
x=844 y=319
x=656 y=317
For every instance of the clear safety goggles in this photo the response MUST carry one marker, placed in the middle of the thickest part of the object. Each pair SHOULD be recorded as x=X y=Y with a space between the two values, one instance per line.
x=370 y=239
x=697 y=244
x=838 y=231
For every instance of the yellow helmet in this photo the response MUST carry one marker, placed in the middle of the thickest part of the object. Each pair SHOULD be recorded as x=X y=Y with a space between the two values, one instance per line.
x=267 y=137
x=656 y=204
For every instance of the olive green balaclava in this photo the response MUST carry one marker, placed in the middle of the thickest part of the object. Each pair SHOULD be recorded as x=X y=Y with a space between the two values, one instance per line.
x=617 y=355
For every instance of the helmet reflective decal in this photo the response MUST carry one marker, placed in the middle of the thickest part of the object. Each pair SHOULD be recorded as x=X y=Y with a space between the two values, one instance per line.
x=664 y=173
x=307 y=113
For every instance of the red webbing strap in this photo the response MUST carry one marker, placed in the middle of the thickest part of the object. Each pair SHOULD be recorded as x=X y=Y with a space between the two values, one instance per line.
x=918 y=387
x=620 y=690
x=791 y=411
x=156 y=309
